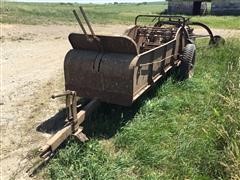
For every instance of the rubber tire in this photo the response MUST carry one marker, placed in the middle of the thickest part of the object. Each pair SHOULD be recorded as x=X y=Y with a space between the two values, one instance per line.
x=186 y=68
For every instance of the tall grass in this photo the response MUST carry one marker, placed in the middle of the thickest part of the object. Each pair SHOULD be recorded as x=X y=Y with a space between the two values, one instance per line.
x=61 y=13
x=185 y=130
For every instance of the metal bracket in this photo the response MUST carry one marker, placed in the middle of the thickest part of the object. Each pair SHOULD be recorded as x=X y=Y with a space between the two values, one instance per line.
x=74 y=119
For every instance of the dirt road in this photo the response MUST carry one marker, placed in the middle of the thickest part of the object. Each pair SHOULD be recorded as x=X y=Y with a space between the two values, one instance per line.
x=32 y=70
x=32 y=63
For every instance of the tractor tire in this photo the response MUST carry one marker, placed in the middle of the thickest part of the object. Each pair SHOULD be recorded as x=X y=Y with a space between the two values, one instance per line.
x=186 y=68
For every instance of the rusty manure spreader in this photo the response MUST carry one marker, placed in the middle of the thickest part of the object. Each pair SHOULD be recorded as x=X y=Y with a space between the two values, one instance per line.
x=119 y=69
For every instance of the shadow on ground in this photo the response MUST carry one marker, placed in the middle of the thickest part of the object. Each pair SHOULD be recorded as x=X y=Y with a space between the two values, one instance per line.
x=105 y=121
x=53 y=124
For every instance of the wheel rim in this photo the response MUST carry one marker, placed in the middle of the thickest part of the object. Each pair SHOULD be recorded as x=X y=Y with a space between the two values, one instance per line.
x=191 y=66
x=191 y=73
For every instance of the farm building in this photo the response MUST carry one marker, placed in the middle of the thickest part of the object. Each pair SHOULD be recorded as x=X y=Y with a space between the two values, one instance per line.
x=225 y=7
x=194 y=7
x=199 y=7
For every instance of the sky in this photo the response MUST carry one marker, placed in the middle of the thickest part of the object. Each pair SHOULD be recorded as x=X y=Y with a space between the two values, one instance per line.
x=88 y=1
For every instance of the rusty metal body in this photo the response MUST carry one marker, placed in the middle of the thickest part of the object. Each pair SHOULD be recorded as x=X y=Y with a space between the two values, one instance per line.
x=119 y=69
x=125 y=66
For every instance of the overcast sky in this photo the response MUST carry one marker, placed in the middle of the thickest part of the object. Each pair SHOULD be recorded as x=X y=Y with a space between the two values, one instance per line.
x=87 y=1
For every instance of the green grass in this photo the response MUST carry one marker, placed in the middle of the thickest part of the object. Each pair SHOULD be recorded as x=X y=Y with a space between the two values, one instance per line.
x=225 y=22
x=179 y=130
x=60 y=13
x=35 y=13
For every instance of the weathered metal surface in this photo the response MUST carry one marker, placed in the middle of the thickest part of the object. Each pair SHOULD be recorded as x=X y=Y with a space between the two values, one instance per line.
x=125 y=65
x=105 y=74
x=119 y=69
x=115 y=44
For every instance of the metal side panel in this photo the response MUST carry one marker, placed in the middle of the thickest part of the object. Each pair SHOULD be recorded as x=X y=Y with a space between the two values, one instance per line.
x=117 y=44
x=103 y=76
x=99 y=68
x=152 y=65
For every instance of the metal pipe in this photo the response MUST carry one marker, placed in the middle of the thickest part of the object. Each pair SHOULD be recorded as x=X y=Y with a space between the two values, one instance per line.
x=79 y=22
x=183 y=19
x=205 y=27
x=87 y=21
x=63 y=94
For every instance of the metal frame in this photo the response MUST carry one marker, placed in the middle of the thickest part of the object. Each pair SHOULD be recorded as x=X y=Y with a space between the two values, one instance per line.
x=162 y=57
x=72 y=126
x=180 y=19
x=210 y=33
